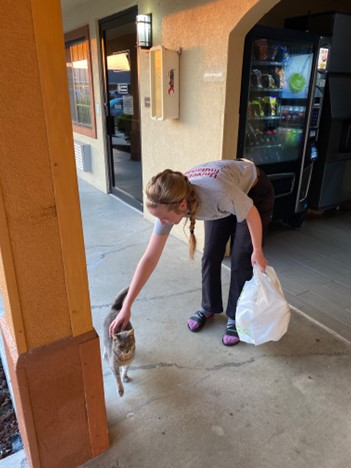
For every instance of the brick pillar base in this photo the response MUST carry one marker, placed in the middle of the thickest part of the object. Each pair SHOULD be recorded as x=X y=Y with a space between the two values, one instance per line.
x=59 y=398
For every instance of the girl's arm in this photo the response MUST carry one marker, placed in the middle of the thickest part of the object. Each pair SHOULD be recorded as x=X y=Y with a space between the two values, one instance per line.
x=142 y=273
x=253 y=220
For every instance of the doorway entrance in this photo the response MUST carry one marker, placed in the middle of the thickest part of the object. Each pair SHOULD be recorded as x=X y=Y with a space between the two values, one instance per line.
x=121 y=105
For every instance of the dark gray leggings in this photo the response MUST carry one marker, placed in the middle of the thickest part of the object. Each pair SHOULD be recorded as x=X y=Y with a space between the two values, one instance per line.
x=217 y=234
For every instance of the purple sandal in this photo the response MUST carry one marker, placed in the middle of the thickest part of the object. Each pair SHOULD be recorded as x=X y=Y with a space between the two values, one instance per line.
x=230 y=337
x=197 y=321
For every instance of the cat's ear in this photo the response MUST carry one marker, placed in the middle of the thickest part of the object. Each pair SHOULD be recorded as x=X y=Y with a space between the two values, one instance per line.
x=131 y=332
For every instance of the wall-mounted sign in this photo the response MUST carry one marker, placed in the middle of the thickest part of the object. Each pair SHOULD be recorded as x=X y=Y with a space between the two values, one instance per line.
x=122 y=88
x=128 y=105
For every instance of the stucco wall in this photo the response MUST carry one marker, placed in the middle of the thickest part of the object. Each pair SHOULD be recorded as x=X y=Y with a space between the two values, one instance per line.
x=211 y=36
x=209 y=108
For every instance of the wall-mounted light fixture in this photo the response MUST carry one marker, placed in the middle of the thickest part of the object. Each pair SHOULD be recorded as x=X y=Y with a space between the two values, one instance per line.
x=144 y=40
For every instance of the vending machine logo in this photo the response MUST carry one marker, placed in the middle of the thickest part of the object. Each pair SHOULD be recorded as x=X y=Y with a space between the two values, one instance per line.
x=297 y=72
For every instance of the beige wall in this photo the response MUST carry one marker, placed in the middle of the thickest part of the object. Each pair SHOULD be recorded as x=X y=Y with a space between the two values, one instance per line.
x=207 y=126
x=211 y=36
x=209 y=108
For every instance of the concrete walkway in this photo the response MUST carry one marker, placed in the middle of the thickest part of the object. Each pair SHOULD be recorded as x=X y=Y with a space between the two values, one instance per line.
x=193 y=402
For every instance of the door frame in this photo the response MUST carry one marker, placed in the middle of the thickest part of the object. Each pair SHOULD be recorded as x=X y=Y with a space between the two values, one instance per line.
x=110 y=22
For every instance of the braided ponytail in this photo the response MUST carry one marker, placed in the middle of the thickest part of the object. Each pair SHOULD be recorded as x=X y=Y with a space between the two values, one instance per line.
x=192 y=204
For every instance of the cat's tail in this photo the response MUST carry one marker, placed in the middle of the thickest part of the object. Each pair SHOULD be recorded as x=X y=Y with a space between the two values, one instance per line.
x=117 y=305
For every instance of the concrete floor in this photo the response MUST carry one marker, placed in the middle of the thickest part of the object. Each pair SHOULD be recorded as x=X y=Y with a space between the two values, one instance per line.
x=193 y=402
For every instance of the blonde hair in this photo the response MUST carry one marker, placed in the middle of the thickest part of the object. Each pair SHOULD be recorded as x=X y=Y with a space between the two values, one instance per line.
x=170 y=188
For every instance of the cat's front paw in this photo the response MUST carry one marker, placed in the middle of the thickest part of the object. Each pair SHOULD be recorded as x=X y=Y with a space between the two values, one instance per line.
x=126 y=378
x=121 y=392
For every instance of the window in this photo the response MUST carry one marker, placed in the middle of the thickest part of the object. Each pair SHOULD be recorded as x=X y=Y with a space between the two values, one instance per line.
x=80 y=83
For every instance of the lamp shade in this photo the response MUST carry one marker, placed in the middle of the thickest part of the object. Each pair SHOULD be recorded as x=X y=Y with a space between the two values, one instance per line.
x=143 y=23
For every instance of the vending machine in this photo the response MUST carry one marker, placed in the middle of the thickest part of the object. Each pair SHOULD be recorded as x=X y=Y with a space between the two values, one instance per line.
x=277 y=98
x=331 y=177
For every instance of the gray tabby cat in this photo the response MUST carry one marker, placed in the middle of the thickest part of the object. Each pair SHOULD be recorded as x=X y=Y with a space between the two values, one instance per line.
x=120 y=349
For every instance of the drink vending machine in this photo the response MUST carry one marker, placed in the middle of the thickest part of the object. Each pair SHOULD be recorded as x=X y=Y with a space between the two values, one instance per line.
x=331 y=176
x=278 y=98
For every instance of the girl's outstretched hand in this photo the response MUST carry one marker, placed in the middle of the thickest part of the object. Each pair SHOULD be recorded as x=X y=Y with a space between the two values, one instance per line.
x=121 y=321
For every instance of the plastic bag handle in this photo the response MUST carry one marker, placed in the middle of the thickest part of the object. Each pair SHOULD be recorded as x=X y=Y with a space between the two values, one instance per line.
x=257 y=271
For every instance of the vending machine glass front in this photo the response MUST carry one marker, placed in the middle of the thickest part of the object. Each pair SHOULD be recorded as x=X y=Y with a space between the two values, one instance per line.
x=278 y=100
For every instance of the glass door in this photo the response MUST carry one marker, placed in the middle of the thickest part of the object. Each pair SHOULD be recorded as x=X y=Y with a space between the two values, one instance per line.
x=118 y=35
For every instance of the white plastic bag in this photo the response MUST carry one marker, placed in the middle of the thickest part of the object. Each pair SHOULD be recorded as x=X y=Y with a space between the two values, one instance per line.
x=262 y=312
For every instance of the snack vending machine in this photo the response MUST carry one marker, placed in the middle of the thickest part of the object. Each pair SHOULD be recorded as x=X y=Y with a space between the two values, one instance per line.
x=278 y=84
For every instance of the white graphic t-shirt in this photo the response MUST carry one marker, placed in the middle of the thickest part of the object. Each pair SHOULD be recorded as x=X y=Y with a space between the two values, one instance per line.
x=222 y=188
